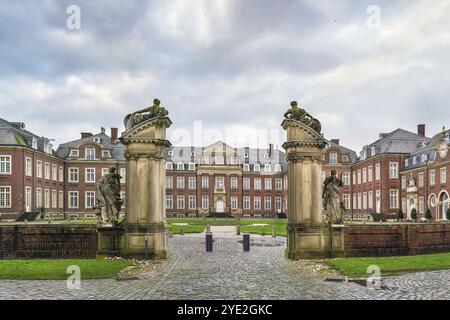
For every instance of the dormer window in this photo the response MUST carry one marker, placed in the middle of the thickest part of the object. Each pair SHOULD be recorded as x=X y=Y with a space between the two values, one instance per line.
x=424 y=158
x=97 y=140
x=246 y=167
x=90 y=154
x=106 y=154
x=267 y=168
x=170 y=153
x=414 y=160
x=246 y=155
x=372 y=151
x=277 y=168
x=180 y=166
x=256 y=168
x=219 y=160
x=424 y=143
x=205 y=160
x=333 y=158
x=345 y=158
x=74 y=153
x=193 y=154
x=406 y=162
x=191 y=166
x=169 y=166
x=34 y=143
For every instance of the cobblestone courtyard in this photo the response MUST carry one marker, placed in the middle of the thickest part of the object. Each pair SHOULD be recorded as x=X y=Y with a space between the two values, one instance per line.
x=229 y=273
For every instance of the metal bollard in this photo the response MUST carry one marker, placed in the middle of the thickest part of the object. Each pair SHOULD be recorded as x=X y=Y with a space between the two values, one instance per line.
x=246 y=242
x=209 y=242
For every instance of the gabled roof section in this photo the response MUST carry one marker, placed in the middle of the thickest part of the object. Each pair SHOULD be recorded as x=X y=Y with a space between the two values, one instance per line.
x=352 y=154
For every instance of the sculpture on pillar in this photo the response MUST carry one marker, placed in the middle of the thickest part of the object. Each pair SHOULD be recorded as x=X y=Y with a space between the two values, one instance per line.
x=135 y=118
x=108 y=199
x=299 y=114
x=330 y=196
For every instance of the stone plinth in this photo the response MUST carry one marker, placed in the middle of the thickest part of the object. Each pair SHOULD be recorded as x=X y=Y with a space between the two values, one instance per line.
x=143 y=232
x=307 y=236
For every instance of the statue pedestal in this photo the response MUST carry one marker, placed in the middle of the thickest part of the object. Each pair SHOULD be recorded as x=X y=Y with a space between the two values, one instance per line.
x=307 y=235
x=143 y=232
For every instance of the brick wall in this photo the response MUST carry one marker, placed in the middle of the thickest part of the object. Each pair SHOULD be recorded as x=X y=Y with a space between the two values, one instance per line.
x=396 y=239
x=48 y=241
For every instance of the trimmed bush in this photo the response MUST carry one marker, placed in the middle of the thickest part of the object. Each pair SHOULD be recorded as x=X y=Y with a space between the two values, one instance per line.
x=399 y=214
x=414 y=214
x=428 y=215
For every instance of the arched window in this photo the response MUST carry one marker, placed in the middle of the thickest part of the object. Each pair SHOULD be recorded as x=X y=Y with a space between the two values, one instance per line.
x=169 y=166
x=180 y=166
x=256 y=167
x=267 y=168
x=277 y=168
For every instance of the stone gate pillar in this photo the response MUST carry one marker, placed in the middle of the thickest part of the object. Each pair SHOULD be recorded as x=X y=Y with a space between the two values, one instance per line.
x=307 y=235
x=144 y=227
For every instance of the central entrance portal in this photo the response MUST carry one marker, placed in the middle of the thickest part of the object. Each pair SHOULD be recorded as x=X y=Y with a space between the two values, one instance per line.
x=220 y=206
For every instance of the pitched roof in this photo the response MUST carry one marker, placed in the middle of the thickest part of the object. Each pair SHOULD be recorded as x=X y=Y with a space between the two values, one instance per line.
x=352 y=154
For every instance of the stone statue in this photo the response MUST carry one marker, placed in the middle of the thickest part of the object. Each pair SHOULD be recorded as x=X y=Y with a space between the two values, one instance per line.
x=411 y=181
x=302 y=116
x=133 y=119
x=330 y=195
x=108 y=199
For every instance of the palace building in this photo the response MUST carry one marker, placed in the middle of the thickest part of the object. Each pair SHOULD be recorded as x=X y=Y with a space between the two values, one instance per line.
x=401 y=169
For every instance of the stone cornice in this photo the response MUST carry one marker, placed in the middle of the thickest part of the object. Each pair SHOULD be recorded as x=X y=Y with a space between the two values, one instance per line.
x=156 y=122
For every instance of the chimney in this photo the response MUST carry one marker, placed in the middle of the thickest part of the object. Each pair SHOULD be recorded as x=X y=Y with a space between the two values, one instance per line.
x=336 y=141
x=421 y=130
x=114 y=134
x=86 y=135
x=270 y=150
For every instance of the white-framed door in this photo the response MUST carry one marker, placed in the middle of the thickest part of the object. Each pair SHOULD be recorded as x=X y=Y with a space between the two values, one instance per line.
x=220 y=206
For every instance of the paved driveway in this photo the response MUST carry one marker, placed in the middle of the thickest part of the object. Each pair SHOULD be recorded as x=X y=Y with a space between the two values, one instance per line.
x=229 y=273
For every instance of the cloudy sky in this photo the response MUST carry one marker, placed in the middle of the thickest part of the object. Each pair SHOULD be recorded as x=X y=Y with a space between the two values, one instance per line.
x=227 y=68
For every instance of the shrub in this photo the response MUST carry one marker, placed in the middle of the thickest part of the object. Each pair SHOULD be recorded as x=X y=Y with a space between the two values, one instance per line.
x=414 y=214
x=399 y=214
x=428 y=215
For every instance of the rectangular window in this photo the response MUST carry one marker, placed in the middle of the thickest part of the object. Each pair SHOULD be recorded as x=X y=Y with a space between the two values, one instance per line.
x=369 y=174
x=377 y=172
x=404 y=204
x=443 y=175
x=234 y=183
x=169 y=182
x=47 y=171
x=267 y=203
x=180 y=202
x=61 y=199
x=219 y=159
x=370 y=200
x=234 y=202
x=333 y=158
x=246 y=203
x=421 y=205
x=74 y=153
x=192 y=202
x=90 y=200
x=393 y=198
x=54 y=199
x=220 y=185
x=246 y=183
x=5 y=164
x=38 y=198
x=123 y=195
x=73 y=174
x=421 y=179
x=90 y=154
x=205 y=182
x=90 y=175
x=28 y=167
x=365 y=200
x=346 y=178
x=192 y=183
x=54 y=172
x=169 y=202
x=257 y=203
x=257 y=183
x=267 y=184
x=61 y=174
x=359 y=176
x=5 y=197
x=364 y=175
x=278 y=204
x=39 y=169
x=354 y=177
x=180 y=182
x=105 y=171
x=346 y=200
x=47 y=198
x=123 y=175
x=28 y=200
x=359 y=201
x=354 y=201
x=393 y=170
x=73 y=199
x=278 y=184
x=403 y=182
x=205 y=202
x=432 y=177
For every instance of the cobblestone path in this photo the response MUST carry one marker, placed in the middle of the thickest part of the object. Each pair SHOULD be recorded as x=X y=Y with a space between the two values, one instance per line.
x=229 y=273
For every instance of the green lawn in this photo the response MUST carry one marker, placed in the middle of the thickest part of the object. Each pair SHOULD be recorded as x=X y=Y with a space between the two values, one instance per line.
x=357 y=267
x=42 y=269
x=199 y=224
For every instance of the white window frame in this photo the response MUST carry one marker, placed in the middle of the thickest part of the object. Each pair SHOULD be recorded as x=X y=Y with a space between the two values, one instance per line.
x=377 y=171
x=181 y=202
x=92 y=155
x=267 y=183
x=192 y=183
x=54 y=199
x=181 y=183
x=90 y=175
x=90 y=195
x=73 y=195
x=169 y=166
x=54 y=172
x=393 y=198
x=333 y=158
x=192 y=202
x=5 y=197
x=393 y=170
x=39 y=169
x=28 y=167
x=169 y=201
x=61 y=173
x=169 y=182
x=47 y=171
x=234 y=202
x=205 y=182
x=76 y=172
x=39 y=198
